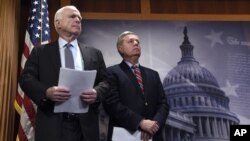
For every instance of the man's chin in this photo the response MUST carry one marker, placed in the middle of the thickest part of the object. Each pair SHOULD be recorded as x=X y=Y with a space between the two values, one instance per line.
x=137 y=55
x=77 y=33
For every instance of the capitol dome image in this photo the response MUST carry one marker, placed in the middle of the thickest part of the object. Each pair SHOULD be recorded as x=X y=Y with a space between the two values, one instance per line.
x=199 y=107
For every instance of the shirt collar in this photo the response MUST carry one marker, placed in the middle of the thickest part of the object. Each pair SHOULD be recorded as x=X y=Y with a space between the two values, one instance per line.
x=130 y=65
x=62 y=42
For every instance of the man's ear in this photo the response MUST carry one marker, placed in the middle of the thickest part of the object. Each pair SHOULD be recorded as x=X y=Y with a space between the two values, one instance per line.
x=57 y=22
x=120 y=49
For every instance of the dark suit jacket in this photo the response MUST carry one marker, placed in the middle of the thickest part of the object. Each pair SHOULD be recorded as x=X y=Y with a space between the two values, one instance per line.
x=42 y=71
x=126 y=104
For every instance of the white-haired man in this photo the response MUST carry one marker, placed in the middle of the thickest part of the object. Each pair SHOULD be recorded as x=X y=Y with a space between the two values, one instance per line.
x=39 y=81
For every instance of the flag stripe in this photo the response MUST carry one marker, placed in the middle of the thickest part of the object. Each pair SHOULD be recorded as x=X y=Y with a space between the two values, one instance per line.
x=30 y=110
x=21 y=135
x=26 y=50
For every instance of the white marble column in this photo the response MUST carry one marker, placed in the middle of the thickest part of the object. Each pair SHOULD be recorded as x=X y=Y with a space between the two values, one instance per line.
x=208 y=127
x=219 y=127
x=171 y=133
x=200 y=127
x=224 y=129
x=178 y=135
x=216 y=130
x=228 y=127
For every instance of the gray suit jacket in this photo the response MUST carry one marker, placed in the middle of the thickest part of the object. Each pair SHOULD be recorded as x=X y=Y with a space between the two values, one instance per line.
x=42 y=71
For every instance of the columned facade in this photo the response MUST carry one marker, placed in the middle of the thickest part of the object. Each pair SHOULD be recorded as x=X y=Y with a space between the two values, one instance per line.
x=179 y=127
x=194 y=92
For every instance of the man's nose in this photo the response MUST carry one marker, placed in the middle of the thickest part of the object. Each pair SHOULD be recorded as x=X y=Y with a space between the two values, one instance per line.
x=136 y=42
x=78 y=20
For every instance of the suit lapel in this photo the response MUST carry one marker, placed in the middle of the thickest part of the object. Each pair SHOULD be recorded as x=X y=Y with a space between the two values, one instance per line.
x=84 y=55
x=144 y=79
x=89 y=63
x=131 y=76
x=54 y=54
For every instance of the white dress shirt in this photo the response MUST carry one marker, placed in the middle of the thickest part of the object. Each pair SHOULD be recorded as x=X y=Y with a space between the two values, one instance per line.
x=78 y=61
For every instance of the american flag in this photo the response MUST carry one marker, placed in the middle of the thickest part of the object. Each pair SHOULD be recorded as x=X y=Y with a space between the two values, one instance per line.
x=37 y=33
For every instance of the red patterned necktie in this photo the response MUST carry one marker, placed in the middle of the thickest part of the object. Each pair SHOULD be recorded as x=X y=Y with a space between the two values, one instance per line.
x=137 y=74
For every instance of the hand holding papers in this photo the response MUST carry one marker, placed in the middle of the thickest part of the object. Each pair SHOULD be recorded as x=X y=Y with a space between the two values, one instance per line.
x=77 y=82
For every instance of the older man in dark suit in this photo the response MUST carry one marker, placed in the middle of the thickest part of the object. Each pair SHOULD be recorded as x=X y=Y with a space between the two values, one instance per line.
x=40 y=76
x=136 y=100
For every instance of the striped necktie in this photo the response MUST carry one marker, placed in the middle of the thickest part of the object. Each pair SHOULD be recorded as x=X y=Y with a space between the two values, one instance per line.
x=137 y=74
x=69 y=60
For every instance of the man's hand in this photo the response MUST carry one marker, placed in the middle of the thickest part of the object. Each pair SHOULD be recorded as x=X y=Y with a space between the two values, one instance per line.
x=58 y=94
x=89 y=96
x=149 y=126
x=145 y=136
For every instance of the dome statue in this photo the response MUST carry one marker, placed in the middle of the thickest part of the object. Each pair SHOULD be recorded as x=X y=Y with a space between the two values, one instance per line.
x=193 y=90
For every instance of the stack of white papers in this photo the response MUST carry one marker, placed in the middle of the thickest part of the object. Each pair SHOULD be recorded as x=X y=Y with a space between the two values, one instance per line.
x=77 y=82
x=121 y=134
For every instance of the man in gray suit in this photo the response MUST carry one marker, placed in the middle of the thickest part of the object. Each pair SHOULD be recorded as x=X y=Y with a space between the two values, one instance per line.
x=40 y=76
x=136 y=101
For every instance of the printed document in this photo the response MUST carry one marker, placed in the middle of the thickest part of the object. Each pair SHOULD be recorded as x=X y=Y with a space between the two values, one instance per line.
x=77 y=82
x=121 y=134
